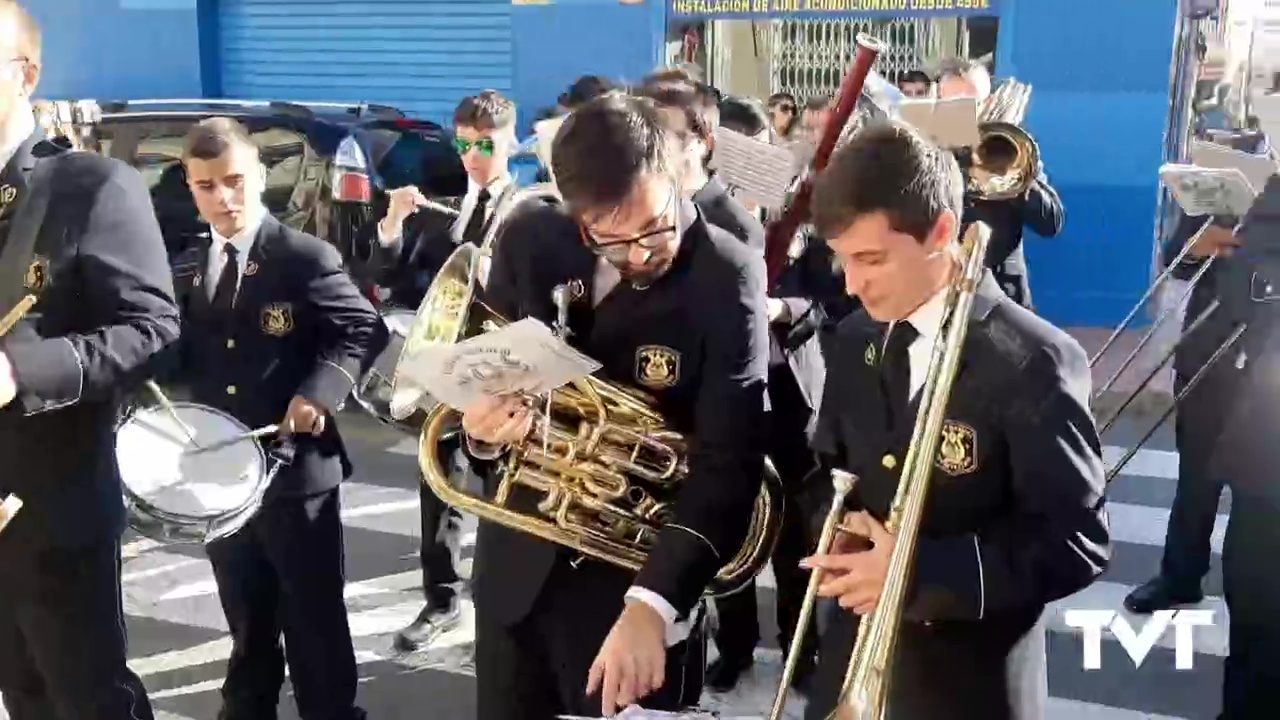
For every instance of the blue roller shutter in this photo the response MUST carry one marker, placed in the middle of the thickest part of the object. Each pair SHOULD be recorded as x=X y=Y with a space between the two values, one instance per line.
x=421 y=56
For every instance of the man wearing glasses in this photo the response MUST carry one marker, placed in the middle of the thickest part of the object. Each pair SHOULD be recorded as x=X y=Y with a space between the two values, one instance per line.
x=411 y=243
x=668 y=304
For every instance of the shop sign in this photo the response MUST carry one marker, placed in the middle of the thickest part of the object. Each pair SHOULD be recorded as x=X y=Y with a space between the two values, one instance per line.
x=818 y=9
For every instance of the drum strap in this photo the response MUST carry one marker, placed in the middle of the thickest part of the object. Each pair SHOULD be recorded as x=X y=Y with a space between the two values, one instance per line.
x=20 y=245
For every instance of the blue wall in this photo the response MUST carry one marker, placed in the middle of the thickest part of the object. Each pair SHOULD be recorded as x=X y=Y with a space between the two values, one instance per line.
x=556 y=43
x=1100 y=71
x=106 y=49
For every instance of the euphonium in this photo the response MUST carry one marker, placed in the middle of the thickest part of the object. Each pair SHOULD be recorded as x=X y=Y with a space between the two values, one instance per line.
x=1007 y=159
x=605 y=465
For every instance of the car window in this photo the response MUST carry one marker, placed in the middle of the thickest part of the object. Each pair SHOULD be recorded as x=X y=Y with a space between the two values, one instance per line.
x=427 y=160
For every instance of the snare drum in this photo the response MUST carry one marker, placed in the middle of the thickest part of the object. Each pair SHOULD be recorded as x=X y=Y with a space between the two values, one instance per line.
x=376 y=390
x=173 y=495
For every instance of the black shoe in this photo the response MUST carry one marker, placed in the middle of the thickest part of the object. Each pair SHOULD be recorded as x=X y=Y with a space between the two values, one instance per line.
x=430 y=624
x=1159 y=594
x=723 y=674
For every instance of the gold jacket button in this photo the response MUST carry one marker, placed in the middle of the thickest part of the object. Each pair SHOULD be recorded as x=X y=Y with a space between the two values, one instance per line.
x=231 y=344
x=231 y=389
x=889 y=461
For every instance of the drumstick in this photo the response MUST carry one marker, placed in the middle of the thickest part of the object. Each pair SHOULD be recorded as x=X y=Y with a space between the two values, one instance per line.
x=172 y=412
x=251 y=435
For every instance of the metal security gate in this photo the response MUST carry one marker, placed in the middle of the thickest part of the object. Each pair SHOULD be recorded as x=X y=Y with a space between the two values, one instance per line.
x=808 y=58
x=421 y=56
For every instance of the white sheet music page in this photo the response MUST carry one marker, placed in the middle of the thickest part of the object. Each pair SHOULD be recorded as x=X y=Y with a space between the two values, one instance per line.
x=522 y=358
x=1257 y=169
x=951 y=123
x=1208 y=191
x=755 y=170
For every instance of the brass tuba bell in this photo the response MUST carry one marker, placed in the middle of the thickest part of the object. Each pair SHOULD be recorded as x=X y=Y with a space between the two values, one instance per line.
x=602 y=462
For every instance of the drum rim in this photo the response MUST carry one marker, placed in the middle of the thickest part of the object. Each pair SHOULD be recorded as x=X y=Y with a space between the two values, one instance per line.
x=189 y=520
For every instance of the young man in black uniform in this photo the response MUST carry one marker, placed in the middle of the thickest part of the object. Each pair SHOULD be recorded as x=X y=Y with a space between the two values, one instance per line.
x=275 y=332
x=670 y=304
x=1015 y=515
x=797 y=309
x=692 y=114
x=411 y=242
x=94 y=257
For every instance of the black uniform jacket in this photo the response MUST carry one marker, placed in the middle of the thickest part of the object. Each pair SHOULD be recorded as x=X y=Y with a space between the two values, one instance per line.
x=696 y=340
x=408 y=265
x=106 y=307
x=300 y=327
x=1014 y=517
x=725 y=212
x=1040 y=209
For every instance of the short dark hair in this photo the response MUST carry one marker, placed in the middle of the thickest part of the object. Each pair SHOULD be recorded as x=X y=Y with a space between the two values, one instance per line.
x=887 y=167
x=604 y=147
x=29 y=42
x=488 y=110
x=210 y=138
x=584 y=90
x=916 y=76
x=694 y=100
x=745 y=115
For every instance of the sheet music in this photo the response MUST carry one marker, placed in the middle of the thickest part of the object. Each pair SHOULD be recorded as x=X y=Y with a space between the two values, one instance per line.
x=756 y=171
x=545 y=131
x=1256 y=168
x=1209 y=191
x=522 y=358
x=951 y=123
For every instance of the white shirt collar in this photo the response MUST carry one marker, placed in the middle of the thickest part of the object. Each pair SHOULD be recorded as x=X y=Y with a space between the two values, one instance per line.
x=242 y=240
x=927 y=319
x=495 y=187
x=23 y=126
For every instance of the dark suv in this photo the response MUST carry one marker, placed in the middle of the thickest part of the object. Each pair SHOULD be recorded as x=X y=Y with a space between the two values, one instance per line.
x=326 y=163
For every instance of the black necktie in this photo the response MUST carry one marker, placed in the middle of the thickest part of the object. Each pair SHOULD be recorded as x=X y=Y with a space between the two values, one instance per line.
x=474 y=232
x=225 y=293
x=895 y=374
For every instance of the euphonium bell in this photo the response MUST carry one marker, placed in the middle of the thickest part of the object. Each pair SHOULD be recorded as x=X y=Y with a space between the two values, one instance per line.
x=605 y=467
x=1004 y=164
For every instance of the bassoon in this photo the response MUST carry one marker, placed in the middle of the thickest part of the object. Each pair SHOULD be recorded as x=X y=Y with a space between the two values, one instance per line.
x=781 y=232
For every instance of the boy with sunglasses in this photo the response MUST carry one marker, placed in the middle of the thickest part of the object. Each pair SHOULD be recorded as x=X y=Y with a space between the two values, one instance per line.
x=413 y=241
x=669 y=304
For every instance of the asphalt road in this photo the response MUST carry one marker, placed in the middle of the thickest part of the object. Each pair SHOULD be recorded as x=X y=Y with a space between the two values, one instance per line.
x=180 y=649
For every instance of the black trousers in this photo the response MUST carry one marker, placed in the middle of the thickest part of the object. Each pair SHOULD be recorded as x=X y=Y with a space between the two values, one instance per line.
x=440 y=537
x=1187 y=543
x=1251 y=682
x=283 y=574
x=62 y=637
x=738 y=631
x=537 y=669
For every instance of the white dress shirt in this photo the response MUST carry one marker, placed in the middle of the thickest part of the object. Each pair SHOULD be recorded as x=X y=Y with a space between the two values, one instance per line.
x=242 y=242
x=927 y=321
x=469 y=202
